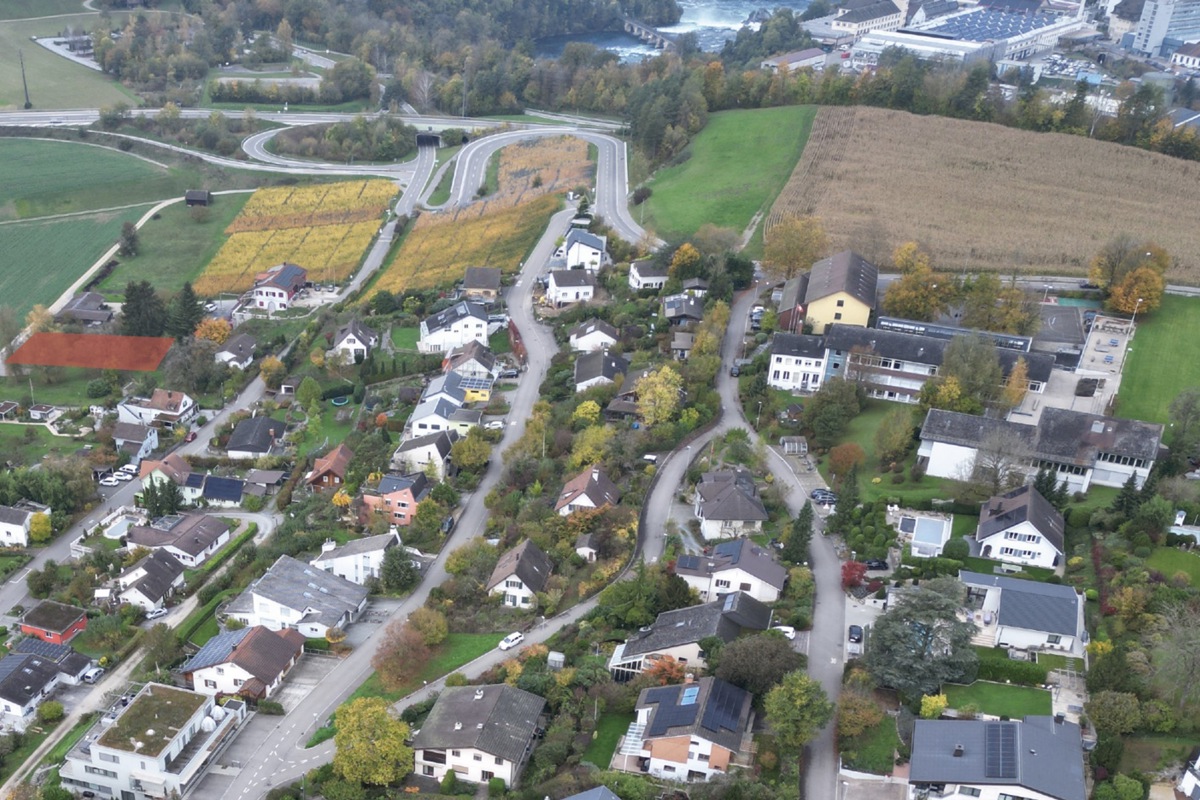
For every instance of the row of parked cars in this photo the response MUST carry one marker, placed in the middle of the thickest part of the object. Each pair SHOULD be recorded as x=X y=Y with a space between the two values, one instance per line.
x=120 y=475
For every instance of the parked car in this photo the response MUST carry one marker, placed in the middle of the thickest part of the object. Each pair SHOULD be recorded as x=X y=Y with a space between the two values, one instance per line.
x=787 y=630
x=876 y=564
x=191 y=436
x=512 y=640
x=495 y=425
x=509 y=373
x=157 y=613
x=735 y=370
x=94 y=674
x=856 y=634
x=130 y=468
x=109 y=481
x=122 y=477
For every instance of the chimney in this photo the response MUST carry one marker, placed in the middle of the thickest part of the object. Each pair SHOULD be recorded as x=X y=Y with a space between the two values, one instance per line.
x=958 y=751
x=327 y=545
x=458 y=726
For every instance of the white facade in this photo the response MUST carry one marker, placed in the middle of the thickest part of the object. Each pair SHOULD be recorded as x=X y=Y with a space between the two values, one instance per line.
x=582 y=254
x=355 y=565
x=224 y=679
x=14 y=527
x=469 y=764
x=957 y=462
x=712 y=529
x=698 y=760
x=516 y=594
x=1189 y=782
x=1187 y=57
x=638 y=281
x=140 y=412
x=592 y=341
x=121 y=772
x=796 y=373
x=18 y=716
x=1020 y=544
x=421 y=458
x=351 y=349
x=562 y=295
x=729 y=580
x=470 y=328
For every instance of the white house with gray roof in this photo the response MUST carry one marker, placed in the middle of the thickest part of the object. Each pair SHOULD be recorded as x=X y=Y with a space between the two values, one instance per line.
x=353 y=342
x=148 y=583
x=646 y=275
x=585 y=250
x=453 y=327
x=592 y=335
x=1083 y=449
x=1021 y=527
x=357 y=561
x=1037 y=758
x=566 y=286
x=737 y=566
x=727 y=505
x=1025 y=614
x=598 y=369
x=14 y=526
x=292 y=594
x=428 y=452
x=135 y=439
x=479 y=732
x=520 y=574
x=797 y=363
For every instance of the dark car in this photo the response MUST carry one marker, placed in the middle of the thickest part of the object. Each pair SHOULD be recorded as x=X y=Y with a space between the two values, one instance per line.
x=856 y=634
x=876 y=564
x=735 y=370
x=191 y=436
x=1088 y=285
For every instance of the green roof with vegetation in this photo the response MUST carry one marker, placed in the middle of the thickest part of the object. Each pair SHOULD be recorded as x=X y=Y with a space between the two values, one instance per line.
x=154 y=718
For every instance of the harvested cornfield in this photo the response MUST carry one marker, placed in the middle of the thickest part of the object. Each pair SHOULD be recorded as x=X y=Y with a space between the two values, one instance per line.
x=535 y=167
x=984 y=197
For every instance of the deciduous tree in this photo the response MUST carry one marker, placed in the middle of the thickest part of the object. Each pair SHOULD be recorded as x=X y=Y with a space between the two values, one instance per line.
x=1184 y=414
x=972 y=360
x=471 y=452
x=431 y=624
x=401 y=656
x=397 y=572
x=658 y=395
x=796 y=709
x=370 y=743
x=853 y=574
x=919 y=293
x=217 y=329
x=1115 y=713
x=40 y=529
x=758 y=662
x=792 y=246
x=1140 y=291
x=846 y=456
x=38 y=320
x=894 y=435
x=1016 y=385
x=272 y=371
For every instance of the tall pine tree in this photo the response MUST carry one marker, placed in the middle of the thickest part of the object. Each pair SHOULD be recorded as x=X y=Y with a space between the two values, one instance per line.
x=184 y=314
x=143 y=313
x=795 y=549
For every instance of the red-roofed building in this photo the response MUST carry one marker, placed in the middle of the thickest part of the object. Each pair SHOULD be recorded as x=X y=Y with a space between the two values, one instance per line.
x=329 y=471
x=56 y=623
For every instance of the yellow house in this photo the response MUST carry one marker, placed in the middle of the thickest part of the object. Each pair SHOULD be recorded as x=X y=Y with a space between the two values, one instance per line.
x=842 y=289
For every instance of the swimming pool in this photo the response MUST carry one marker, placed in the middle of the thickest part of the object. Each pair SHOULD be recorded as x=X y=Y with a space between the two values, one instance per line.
x=928 y=534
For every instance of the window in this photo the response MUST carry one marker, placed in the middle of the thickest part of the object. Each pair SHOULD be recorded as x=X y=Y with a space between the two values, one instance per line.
x=433 y=757
x=499 y=761
x=487 y=775
x=841 y=303
x=668 y=768
x=702 y=757
x=1054 y=638
x=968 y=791
x=427 y=770
x=456 y=753
x=478 y=757
x=838 y=315
x=221 y=670
x=108 y=773
x=722 y=584
x=238 y=681
x=210 y=684
x=110 y=758
x=745 y=587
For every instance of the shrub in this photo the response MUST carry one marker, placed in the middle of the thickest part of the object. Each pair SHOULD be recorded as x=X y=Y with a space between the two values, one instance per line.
x=270 y=707
x=957 y=549
x=496 y=787
x=1023 y=672
x=49 y=712
x=449 y=782
x=98 y=388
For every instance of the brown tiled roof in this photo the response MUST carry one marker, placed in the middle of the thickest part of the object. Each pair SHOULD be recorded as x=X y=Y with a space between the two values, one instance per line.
x=265 y=653
x=335 y=462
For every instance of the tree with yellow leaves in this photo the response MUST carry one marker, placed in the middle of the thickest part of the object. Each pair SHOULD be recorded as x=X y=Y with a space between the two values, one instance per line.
x=792 y=246
x=214 y=329
x=658 y=395
x=587 y=412
x=341 y=499
x=711 y=330
x=684 y=261
x=272 y=370
x=1138 y=292
x=39 y=319
x=919 y=293
x=1017 y=384
x=590 y=445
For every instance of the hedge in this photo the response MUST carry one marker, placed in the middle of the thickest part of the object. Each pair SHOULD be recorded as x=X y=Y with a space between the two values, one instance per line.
x=197 y=617
x=337 y=391
x=1026 y=673
x=226 y=552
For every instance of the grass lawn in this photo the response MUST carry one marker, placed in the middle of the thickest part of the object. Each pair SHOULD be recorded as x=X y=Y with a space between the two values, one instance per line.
x=175 y=247
x=609 y=730
x=43 y=259
x=987 y=566
x=999 y=699
x=54 y=82
x=1051 y=660
x=28 y=444
x=1169 y=561
x=23 y=9
x=738 y=164
x=1164 y=359
x=874 y=750
x=30 y=741
x=498 y=342
x=1153 y=753
x=405 y=338
x=59 y=751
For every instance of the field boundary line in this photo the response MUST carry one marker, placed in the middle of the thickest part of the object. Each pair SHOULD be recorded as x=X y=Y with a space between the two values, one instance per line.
x=94 y=144
x=68 y=214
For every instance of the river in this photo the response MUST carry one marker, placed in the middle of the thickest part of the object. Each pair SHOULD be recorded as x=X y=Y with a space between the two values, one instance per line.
x=713 y=21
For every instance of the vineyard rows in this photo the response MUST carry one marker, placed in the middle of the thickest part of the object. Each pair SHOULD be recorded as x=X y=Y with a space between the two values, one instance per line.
x=323 y=204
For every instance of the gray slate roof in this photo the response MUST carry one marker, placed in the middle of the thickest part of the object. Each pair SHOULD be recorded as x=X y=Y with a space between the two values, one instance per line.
x=726 y=496
x=442 y=441
x=570 y=278
x=708 y=708
x=130 y=432
x=483 y=278
x=527 y=562
x=360 y=331
x=498 y=719
x=162 y=569
x=448 y=316
x=846 y=271
x=355 y=547
x=740 y=554
x=580 y=236
x=1035 y=753
x=868 y=12
x=239 y=345
x=1023 y=504
x=799 y=345
x=599 y=363
x=25 y=677
x=193 y=533
x=594 y=326
x=256 y=435
x=727 y=617
x=296 y=585
x=1034 y=606
x=215 y=651
x=13 y=516
x=682 y=306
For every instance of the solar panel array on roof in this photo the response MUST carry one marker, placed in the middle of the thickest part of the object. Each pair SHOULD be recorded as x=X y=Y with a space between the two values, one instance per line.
x=687 y=562
x=38 y=647
x=989 y=25
x=1000 y=750
x=194 y=480
x=669 y=715
x=689 y=696
x=223 y=488
x=723 y=708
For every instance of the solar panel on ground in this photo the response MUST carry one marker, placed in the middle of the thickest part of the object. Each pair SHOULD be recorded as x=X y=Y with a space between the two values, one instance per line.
x=1000 y=750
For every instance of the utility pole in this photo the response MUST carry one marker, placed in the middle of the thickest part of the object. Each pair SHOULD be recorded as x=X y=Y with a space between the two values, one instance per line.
x=24 y=83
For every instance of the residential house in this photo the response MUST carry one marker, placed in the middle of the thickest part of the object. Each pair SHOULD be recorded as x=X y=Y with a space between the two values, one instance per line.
x=9 y=409
x=397 y=497
x=165 y=408
x=841 y=288
x=53 y=622
x=1024 y=614
x=426 y=453
x=218 y=492
x=691 y=731
x=292 y=594
x=797 y=362
x=790 y=307
x=14 y=526
x=727 y=505
x=695 y=287
x=26 y=680
x=482 y=284
x=250 y=662
x=472 y=360
x=191 y=538
x=150 y=582
x=585 y=250
x=276 y=289
x=589 y=489
x=43 y=412
x=1187 y=56
x=598 y=369
x=353 y=342
x=1082 y=449
x=520 y=574
x=479 y=733
x=681 y=345
x=136 y=440
x=86 y=308
x=585 y=547
x=238 y=351
x=682 y=309
x=859 y=17
x=459 y=389
x=737 y=566
x=174 y=469
x=158 y=745
x=1021 y=527
x=624 y=405
x=677 y=634
x=1038 y=757
x=564 y=287
x=263 y=482
x=812 y=58
x=255 y=437
x=892 y=365
x=1189 y=781
x=71 y=665
x=592 y=335
x=441 y=414
x=646 y=275
x=329 y=471
x=453 y=327
x=359 y=560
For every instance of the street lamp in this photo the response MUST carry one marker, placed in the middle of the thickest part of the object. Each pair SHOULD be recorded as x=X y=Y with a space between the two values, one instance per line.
x=758 y=416
x=1136 y=306
x=1046 y=295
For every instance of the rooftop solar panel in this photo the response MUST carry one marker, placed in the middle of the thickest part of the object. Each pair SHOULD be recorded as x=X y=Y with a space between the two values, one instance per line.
x=34 y=645
x=722 y=710
x=1000 y=750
